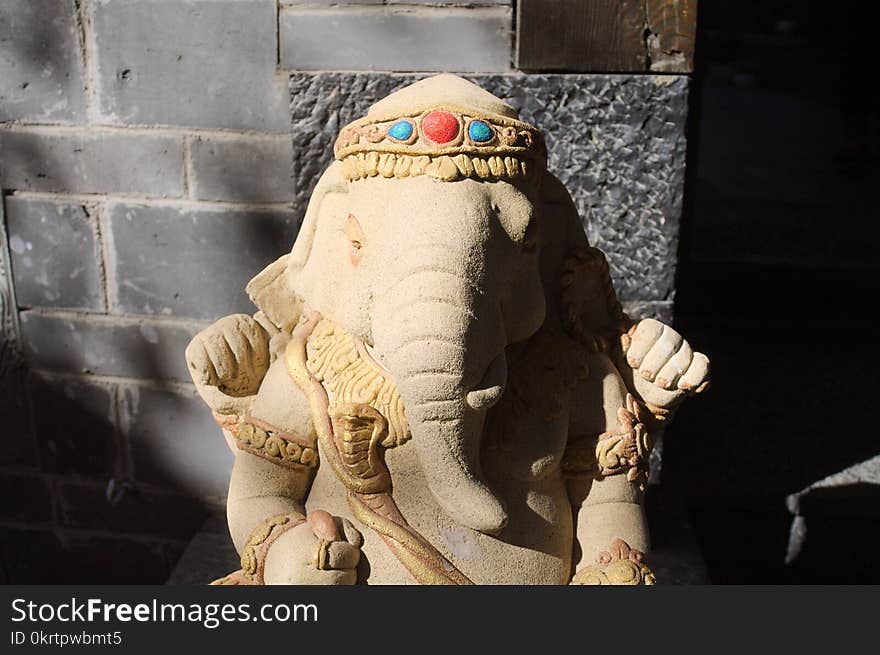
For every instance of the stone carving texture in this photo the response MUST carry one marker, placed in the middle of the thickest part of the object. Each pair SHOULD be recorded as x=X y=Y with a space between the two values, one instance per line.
x=616 y=142
x=442 y=345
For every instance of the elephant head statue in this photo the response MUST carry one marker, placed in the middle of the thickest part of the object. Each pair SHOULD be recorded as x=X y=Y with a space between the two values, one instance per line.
x=441 y=250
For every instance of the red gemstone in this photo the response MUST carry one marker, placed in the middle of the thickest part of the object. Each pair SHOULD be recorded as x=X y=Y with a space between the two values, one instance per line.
x=440 y=126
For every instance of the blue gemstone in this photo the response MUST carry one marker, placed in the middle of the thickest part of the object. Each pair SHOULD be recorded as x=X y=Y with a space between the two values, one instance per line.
x=401 y=130
x=480 y=131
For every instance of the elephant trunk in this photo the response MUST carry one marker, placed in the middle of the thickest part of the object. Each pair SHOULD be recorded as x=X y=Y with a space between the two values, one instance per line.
x=443 y=341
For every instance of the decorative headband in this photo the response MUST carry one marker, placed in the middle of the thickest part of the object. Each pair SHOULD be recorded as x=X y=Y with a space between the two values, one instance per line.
x=445 y=142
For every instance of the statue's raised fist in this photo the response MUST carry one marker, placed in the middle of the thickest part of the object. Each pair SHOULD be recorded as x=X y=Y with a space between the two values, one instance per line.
x=665 y=367
x=228 y=360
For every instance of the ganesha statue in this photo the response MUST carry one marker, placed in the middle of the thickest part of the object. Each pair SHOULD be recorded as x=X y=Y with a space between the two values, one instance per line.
x=440 y=385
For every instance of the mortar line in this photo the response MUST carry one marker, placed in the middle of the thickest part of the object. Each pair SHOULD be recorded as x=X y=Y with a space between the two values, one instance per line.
x=66 y=313
x=97 y=483
x=463 y=9
x=6 y=262
x=103 y=255
x=84 y=23
x=101 y=378
x=211 y=502
x=138 y=129
x=138 y=537
x=125 y=457
x=278 y=36
x=187 y=167
x=204 y=205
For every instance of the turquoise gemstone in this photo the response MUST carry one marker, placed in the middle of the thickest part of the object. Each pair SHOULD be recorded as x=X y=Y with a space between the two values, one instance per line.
x=480 y=131
x=401 y=130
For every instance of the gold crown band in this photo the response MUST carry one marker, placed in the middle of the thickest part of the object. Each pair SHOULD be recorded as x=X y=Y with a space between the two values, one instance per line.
x=445 y=143
x=444 y=167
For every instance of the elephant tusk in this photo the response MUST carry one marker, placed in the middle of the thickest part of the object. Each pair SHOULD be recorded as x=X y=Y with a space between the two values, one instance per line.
x=491 y=387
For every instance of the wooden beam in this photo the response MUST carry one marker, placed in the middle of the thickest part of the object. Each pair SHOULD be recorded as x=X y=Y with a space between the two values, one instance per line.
x=606 y=35
x=671 y=31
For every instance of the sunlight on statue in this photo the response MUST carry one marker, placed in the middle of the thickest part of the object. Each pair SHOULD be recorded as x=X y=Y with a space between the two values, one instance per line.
x=440 y=385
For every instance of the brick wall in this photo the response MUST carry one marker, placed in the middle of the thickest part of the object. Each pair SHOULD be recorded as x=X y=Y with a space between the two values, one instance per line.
x=146 y=171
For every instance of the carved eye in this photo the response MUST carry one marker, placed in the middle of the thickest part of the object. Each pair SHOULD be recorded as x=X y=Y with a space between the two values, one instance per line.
x=355 y=235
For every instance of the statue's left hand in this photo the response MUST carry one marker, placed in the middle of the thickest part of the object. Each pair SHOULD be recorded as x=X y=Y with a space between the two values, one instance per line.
x=665 y=367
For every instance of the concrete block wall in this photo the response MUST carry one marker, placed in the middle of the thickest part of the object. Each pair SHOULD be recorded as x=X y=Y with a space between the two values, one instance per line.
x=148 y=171
x=145 y=166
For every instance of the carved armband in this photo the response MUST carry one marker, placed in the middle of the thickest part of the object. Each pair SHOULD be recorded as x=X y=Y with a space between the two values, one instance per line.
x=621 y=565
x=270 y=443
x=623 y=451
x=253 y=555
x=446 y=142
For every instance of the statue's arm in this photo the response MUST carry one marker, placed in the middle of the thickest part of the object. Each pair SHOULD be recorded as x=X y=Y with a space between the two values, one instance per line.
x=260 y=489
x=619 y=411
x=235 y=366
x=271 y=478
x=607 y=493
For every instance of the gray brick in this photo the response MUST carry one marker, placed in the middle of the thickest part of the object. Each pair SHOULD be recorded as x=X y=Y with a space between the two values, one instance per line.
x=200 y=63
x=617 y=142
x=328 y=3
x=175 y=442
x=458 y=3
x=27 y=498
x=90 y=559
x=75 y=343
x=31 y=556
x=343 y=3
x=17 y=445
x=380 y=38
x=41 y=77
x=75 y=424
x=248 y=170
x=137 y=511
x=55 y=254
x=91 y=161
x=191 y=262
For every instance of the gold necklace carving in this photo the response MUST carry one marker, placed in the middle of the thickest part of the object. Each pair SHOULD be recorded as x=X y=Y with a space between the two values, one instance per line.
x=351 y=434
x=348 y=372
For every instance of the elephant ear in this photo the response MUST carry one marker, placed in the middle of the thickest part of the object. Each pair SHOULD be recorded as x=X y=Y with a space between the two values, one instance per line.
x=332 y=181
x=273 y=290
x=589 y=310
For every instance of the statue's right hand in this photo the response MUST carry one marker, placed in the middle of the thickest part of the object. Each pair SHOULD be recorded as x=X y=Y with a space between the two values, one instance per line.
x=230 y=357
x=324 y=550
